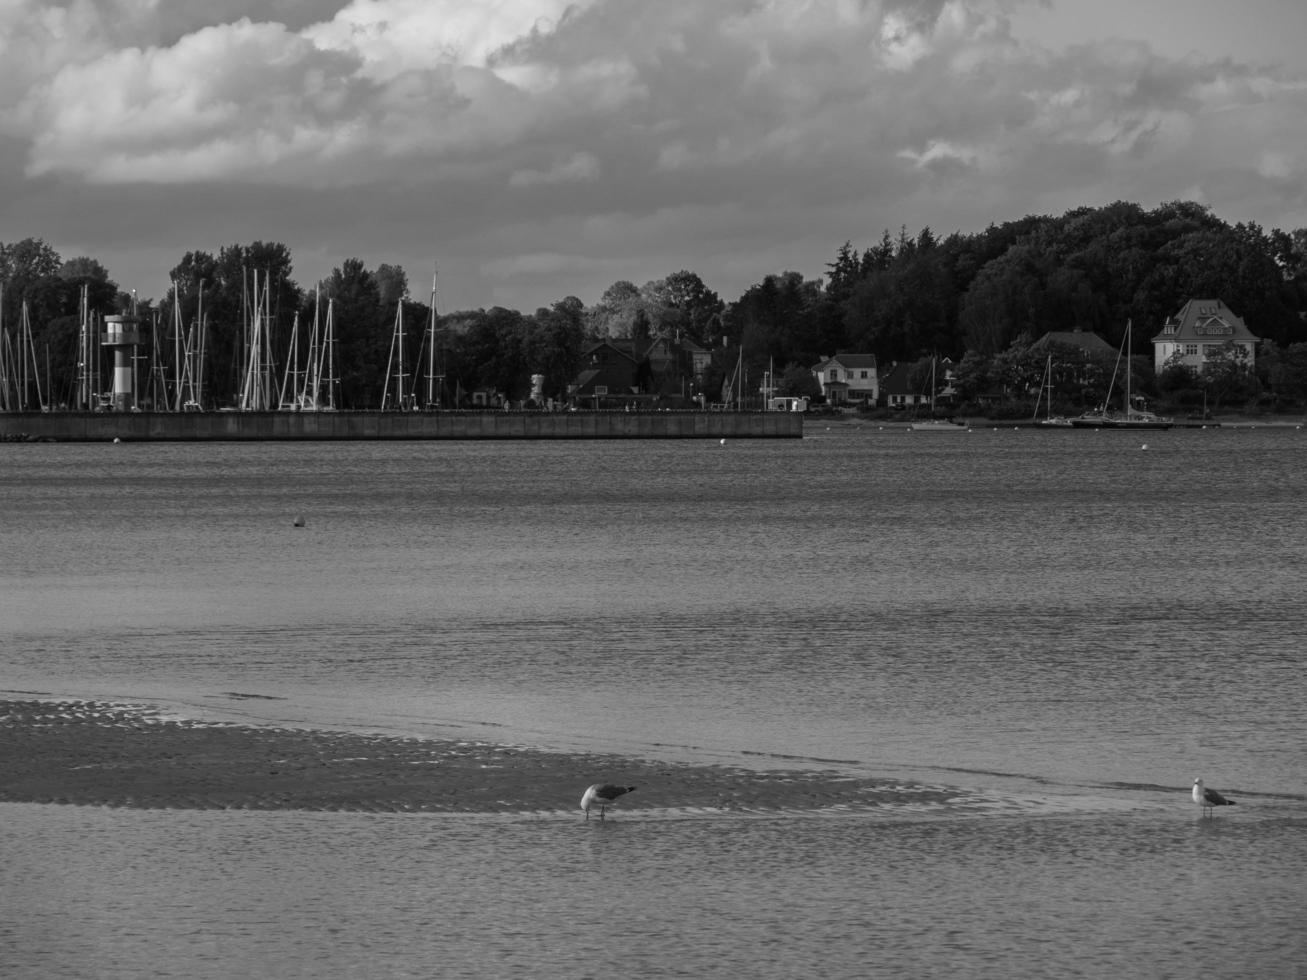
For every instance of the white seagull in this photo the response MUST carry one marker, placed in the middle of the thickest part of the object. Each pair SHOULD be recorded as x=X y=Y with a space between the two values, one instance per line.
x=1208 y=798
x=602 y=795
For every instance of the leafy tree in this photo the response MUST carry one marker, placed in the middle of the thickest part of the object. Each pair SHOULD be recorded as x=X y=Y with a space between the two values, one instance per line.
x=681 y=303
x=614 y=314
x=84 y=269
x=641 y=329
x=363 y=332
x=1287 y=373
x=501 y=345
x=27 y=270
x=556 y=344
x=798 y=381
x=392 y=284
x=781 y=319
x=843 y=274
x=1227 y=376
x=1177 y=377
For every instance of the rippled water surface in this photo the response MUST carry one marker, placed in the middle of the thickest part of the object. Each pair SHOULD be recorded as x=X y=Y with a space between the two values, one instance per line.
x=1069 y=624
x=225 y=894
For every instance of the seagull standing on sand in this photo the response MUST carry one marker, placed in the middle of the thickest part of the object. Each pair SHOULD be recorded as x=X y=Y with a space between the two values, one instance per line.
x=602 y=795
x=1208 y=798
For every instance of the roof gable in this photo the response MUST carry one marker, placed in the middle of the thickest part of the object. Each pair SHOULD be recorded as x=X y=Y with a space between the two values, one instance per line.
x=607 y=352
x=1205 y=321
x=1085 y=340
x=895 y=381
x=853 y=361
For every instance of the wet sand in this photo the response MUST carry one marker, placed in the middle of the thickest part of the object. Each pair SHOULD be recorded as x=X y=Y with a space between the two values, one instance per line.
x=95 y=753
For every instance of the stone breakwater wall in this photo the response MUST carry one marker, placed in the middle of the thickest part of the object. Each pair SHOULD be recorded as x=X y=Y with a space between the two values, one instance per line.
x=333 y=426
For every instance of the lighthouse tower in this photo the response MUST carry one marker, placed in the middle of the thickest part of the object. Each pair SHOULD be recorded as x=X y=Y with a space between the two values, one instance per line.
x=122 y=334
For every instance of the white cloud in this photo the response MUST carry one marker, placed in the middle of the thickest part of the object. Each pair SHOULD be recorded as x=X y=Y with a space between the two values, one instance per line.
x=840 y=117
x=396 y=36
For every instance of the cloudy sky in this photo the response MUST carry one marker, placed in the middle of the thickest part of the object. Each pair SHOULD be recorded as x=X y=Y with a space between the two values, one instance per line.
x=534 y=149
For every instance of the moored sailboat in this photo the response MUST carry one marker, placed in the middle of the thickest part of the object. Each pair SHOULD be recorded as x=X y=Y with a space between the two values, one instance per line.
x=935 y=424
x=1046 y=385
x=1131 y=417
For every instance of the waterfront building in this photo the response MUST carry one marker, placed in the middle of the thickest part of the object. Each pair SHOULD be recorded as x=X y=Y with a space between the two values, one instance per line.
x=848 y=379
x=1197 y=332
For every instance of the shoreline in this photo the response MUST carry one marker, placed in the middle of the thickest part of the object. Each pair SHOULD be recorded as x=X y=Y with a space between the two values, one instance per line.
x=97 y=753
x=852 y=421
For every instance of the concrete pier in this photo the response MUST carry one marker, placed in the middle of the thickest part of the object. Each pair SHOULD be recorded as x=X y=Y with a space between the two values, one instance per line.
x=331 y=426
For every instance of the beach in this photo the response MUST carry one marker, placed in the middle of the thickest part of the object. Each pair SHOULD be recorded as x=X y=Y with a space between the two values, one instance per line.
x=102 y=754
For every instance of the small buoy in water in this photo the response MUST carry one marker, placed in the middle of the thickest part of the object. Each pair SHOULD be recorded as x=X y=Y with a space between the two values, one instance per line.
x=299 y=522
x=116 y=440
x=723 y=442
x=1144 y=446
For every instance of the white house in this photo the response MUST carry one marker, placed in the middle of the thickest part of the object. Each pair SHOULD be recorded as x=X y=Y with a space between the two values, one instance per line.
x=848 y=379
x=1202 y=327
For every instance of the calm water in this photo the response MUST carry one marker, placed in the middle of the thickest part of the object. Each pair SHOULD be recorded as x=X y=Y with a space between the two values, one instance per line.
x=1065 y=625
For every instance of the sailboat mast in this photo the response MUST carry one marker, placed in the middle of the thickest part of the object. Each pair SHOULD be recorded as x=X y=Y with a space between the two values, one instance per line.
x=431 y=345
x=83 y=354
x=1129 y=405
x=400 y=400
x=330 y=344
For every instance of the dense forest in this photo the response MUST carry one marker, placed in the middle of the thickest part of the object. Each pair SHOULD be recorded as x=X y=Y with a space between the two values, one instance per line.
x=979 y=299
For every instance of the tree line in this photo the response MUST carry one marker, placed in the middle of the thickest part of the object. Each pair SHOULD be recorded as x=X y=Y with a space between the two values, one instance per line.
x=980 y=299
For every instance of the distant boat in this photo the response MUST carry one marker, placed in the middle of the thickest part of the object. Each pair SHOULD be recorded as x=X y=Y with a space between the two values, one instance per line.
x=1049 y=419
x=1131 y=418
x=934 y=424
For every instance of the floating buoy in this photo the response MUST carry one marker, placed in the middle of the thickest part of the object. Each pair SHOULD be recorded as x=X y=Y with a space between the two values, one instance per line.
x=116 y=440
x=299 y=522
x=723 y=442
x=1144 y=446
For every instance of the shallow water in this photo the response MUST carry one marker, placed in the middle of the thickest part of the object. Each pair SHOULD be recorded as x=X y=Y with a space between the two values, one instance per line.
x=1065 y=625
x=205 y=894
x=1059 y=605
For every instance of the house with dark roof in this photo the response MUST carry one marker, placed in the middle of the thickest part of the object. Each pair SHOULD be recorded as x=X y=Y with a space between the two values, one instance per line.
x=1197 y=332
x=849 y=379
x=623 y=368
x=608 y=371
x=1085 y=341
x=907 y=384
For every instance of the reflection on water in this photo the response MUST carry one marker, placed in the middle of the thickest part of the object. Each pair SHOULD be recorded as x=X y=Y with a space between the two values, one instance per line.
x=214 y=894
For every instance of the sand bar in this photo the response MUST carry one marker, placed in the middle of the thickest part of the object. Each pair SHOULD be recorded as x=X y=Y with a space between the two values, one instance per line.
x=97 y=753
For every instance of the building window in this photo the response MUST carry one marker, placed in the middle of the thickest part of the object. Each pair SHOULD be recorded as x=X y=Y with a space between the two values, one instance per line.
x=1191 y=350
x=834 y=374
